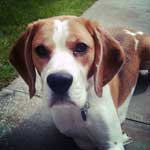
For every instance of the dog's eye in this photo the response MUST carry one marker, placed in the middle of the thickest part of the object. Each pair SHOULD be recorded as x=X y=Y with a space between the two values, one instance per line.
x=80 y=48
x=41 y=51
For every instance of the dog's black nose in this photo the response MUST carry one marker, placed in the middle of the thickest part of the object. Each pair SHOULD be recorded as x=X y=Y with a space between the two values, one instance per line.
x=59 y=82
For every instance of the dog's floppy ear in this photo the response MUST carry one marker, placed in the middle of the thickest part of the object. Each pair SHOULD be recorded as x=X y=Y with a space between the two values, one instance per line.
x=21 y=58
x=109 y=56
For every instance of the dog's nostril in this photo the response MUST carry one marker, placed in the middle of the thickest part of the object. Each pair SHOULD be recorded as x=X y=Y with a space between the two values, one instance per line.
x=59 y=82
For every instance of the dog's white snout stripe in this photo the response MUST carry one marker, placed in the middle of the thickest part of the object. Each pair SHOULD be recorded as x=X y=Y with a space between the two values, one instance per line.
x=60 y=34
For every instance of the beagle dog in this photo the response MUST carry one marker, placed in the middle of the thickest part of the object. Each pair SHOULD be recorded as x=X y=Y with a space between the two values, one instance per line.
x=88 y=75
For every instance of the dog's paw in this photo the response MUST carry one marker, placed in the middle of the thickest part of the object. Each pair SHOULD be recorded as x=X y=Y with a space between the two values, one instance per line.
x=126 y=139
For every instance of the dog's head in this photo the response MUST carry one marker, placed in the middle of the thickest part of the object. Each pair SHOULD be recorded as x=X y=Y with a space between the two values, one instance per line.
x=66 y=51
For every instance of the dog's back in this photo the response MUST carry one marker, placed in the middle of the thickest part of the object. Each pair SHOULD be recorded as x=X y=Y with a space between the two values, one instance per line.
x=137 y=49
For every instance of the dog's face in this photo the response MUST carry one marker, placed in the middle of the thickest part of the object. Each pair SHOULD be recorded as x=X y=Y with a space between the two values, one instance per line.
x=66 y=51
x=63 y=53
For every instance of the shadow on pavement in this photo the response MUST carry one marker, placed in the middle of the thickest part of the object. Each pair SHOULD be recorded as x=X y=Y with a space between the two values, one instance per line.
x=143 y=83
x=36 y=135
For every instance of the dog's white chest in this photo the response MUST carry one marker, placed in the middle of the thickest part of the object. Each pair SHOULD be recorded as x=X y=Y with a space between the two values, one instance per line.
x=68 y=120
x=102 y=127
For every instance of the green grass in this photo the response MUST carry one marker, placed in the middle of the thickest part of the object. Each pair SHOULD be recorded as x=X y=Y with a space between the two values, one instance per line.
x=16 y=14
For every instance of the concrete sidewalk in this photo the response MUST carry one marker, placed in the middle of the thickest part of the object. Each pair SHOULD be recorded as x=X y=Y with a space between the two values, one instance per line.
x=24 y=124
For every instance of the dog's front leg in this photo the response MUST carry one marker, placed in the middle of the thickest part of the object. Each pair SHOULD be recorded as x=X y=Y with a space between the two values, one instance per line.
x=105 y=128
x=103 y=123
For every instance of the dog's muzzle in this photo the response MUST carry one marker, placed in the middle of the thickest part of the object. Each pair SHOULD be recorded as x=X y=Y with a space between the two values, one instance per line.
x=59 y=82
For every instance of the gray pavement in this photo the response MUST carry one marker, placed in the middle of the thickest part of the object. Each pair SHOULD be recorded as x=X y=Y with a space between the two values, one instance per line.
x=26 y=124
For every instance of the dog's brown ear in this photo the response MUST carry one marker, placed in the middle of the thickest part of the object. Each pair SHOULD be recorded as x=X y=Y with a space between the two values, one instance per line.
x=21 y=58
x=109 y=56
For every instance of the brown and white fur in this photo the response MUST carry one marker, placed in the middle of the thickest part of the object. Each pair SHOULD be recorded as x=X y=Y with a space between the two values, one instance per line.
x=105 y=75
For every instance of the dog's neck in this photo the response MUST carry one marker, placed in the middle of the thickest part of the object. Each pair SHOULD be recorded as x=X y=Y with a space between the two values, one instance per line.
x=90 y=91
x=84 y=110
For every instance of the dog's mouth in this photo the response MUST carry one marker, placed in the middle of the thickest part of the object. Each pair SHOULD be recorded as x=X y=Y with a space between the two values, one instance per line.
x=60 y=100
x=56 y=103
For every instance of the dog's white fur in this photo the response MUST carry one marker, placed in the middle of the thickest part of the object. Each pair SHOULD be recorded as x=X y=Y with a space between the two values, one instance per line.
x=134 y=36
